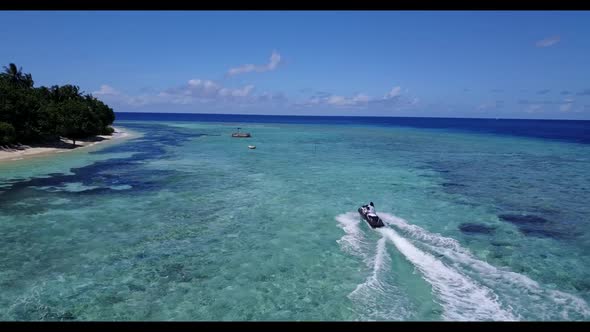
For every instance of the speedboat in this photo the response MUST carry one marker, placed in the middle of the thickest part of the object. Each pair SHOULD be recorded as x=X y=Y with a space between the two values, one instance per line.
x=373 y=220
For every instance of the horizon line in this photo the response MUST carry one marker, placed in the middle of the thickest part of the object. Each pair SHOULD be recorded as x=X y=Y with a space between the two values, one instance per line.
x=355 y=116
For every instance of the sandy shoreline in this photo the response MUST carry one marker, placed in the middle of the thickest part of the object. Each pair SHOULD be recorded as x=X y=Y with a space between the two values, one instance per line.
x=32 y=151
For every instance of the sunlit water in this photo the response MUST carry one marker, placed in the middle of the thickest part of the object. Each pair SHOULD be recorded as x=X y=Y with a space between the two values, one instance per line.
x=184 y=222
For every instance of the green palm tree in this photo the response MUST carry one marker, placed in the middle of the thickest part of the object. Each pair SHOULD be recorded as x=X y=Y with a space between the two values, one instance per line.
x=16 y=76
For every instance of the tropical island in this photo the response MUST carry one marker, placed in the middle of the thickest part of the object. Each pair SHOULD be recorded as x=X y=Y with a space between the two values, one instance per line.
x=48 y=118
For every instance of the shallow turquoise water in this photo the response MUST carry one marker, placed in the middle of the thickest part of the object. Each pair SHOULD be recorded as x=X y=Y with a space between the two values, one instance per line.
x=186 y=223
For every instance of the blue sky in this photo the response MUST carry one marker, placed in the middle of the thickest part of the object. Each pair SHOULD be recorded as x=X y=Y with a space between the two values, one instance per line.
x=406 y=63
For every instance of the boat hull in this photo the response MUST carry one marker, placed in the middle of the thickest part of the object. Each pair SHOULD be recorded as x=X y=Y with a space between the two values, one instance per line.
x=373 y=222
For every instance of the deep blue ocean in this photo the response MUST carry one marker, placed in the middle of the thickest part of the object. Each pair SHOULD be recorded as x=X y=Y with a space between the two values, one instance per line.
x=570 y=130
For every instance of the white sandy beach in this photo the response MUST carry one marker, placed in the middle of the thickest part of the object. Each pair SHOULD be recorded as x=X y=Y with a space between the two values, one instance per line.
x=7 y=155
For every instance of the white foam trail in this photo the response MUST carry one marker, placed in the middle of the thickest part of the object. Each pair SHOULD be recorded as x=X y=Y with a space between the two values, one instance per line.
x=462 y=298
x=520 y=292
x=353 y=241
x=421 y=234
x=369 y=296
x=379 y=262
x=376 y=299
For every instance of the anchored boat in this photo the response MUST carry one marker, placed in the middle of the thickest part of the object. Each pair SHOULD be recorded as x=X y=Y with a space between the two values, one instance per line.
x=240 y=135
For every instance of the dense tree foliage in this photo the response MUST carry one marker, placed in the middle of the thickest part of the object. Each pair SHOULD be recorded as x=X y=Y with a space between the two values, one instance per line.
x=29 y=114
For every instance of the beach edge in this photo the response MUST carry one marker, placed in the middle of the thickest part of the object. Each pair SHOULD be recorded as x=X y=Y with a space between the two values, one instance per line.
x=120 y=134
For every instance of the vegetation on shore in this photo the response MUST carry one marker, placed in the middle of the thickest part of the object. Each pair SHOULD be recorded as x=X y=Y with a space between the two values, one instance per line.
x=45 y=114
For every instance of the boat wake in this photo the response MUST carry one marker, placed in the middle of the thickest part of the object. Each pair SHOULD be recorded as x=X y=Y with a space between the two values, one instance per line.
x=467 y=289
x=368 y=295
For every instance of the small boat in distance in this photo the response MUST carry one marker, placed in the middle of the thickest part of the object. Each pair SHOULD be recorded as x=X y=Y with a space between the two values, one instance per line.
x=251 y=146
x=238 y=134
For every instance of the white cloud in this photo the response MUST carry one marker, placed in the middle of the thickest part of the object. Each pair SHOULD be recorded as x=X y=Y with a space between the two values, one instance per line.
x=243 y=92
x=534 y=108
x=196 y=88
x=549 y=41
x=271 y=97
x=357 y=100
x=567 y=106
x=112 y=95
x=361 y=98
x=490 y=105
x=275 y=59
x=395 y=91
x=194 y=92
x=392 y=98
x=338 y=100
x=106 y=90
x=203 y=91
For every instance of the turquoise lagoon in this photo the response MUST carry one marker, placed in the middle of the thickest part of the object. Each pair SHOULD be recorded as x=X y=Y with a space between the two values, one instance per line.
x=183 y=222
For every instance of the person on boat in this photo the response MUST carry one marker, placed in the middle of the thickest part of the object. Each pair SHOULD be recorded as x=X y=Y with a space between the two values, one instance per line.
x=371 y=210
